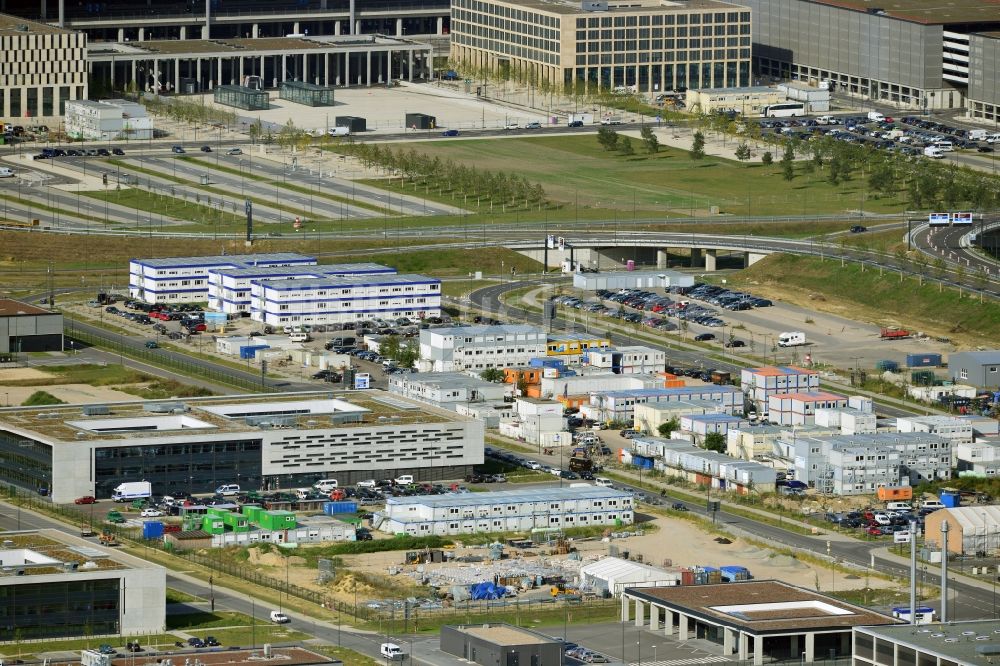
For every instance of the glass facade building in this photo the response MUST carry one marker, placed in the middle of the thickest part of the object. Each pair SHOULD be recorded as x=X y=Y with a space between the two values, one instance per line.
x=241 y=97
x=58 y=609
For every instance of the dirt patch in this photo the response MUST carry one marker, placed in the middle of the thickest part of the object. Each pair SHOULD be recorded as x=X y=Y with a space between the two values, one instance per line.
x=18 y=374
x=74 y=394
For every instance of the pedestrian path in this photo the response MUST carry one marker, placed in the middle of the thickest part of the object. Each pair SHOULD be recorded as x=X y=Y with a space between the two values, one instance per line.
x=690 y=661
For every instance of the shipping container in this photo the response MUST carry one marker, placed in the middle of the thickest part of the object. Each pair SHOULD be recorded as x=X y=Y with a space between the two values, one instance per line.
x=951 y=499
x=252 y=512
x=886 y=366
x=420 y=121
x=277 y=520
x=331 y=508
x=733 y=573
x=895 y=493
x=354 y=123
x=213 y=525
x=923 y=360
x=152 y=529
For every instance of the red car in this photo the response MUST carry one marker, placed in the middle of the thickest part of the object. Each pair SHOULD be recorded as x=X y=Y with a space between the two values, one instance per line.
x=874 y=531
x=86 y=499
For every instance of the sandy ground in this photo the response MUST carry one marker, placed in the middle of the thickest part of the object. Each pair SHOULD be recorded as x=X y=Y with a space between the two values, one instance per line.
x=74 y=394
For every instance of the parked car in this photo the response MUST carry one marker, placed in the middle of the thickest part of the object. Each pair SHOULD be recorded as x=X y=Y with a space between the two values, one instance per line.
x=704 y=337
x=86 y=499
x=736 y=343
x=179 y=150
x=151 y=513
x=234 y=151
x=279 y=618
x=206 y=149
x=451 y=132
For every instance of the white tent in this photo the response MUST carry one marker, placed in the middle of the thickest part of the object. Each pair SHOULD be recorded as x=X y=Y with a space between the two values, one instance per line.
x=615 y=574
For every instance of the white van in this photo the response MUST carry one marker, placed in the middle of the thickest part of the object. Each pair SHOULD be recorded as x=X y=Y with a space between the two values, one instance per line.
x=404 y=480
x=931 y=504
x=299 y=337
x=945 y=145
x=228 y=490
x=326 y=486
x=977 y=134
x=792 y=339
x=934 y=153
x=602 y=482
x=339 y=131
x=824 y=120
x=391 y=651
x=993 y=138
x=6 y=172
x=367 y=483
x=875 y=117
x=898 y=506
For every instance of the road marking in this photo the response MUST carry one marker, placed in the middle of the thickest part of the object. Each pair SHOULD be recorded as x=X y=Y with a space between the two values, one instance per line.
x=711 y=659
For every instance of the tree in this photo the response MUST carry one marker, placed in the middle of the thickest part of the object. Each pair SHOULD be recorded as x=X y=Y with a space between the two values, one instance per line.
x=625 y=146
x=787 y=170
x=767 y=159
x=668 y=427
x=715 y=441
x=649 y=140
x=743 y=152
x=698 y=146
x=494 y=375
x=608 y=138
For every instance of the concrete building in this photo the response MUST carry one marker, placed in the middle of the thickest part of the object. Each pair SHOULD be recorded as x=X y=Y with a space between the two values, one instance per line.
x=344 y=299
x=956 y=429
x=29 y=328
x=914 y=55
x=984 y=63
x=447 y=390
x=953 y=643
x=758 y=621
x=972 y=530
x=283 y=440
x=229 y=286
x=505 y=511
x=748 y=101
x=457 y=348
x=642 y=46
x=584 y=383
x=500 y=645
x=649 y=417
x=981 y=458
x=613 y=575
x=107 y=120
x=850 y=421
x=537 y=422
x=619 y=406
x=753 y=442
x=629 y=360
x=815 y=98
x=798 y=408
x=760 y=383
x=700 y=425
x=859 y=464
x=41 y=68
x=57 y=585
x=633 y=279
x=980 y=369
x=185 y=279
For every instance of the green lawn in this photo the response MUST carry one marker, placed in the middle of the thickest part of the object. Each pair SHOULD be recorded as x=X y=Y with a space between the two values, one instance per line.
x=576 y=171
x=187 y=621
x=178 y=597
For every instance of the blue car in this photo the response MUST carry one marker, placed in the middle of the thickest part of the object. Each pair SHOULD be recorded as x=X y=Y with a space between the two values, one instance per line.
x=451 y=132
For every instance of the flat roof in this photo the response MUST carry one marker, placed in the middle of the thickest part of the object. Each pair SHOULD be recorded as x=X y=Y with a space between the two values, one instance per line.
x=235 y=260
x=736 y=91
x=809 y=396
x=639 y=7
x=929 y=12
x=955 y=641
x=172 y=47
x=317 y=269
x=280 y=284
x=511 y=496
x=50 y=551
x=9 y=26
x=678 y=390
x=11 y=308
x=781 y=371
x=446 y=379
x=762 y=607
x=496 y=329
x=506 y=634
x=220 y=416
x=569 y=336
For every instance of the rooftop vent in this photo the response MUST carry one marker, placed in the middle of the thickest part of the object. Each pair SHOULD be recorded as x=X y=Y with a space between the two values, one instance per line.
x=988 y=650
x=594 y=5
x=96 y=410
x=21 y=27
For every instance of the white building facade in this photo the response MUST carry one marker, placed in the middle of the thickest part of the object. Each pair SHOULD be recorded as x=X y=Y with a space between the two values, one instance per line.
x=635 y=360
x=479 y=347
x=107 y=120
x=760 y=383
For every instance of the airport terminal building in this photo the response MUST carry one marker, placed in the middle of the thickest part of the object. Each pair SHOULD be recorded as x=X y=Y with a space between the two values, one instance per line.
x=266 y=442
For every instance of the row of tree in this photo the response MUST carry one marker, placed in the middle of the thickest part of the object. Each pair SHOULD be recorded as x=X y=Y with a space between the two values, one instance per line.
x=185 y=110
x=493 y=187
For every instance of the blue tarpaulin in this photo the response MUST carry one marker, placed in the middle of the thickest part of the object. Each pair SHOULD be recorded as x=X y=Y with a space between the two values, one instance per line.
x=486 y=590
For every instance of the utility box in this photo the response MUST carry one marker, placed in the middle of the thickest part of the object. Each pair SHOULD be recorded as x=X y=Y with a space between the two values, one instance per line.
x=420 y=121
x=354 y=123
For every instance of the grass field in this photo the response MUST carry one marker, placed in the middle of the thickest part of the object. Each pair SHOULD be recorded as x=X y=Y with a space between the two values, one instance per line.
x=576 y=171
x=867 y=296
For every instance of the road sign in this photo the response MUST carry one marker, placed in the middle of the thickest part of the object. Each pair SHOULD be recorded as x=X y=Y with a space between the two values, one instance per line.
x=362 y=380
x=901 y=537
x=938 y=219
x=961 y=218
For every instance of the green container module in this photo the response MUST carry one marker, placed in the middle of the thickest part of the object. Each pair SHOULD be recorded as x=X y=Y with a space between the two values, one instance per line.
x=252 y=512
x=191 y=522
x=277 y=520
x=236 y=522
x=213 y=525
x=215 y=511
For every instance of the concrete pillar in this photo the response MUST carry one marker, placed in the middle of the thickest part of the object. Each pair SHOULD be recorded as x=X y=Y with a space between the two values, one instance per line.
x=62 y=14
x=741 y=649
x=696 y=257
x=682 y=627
x=728 y=638
x=654 y=617
x=326 y=69
x=640 y=613
x=323 y=4
x=137 y=86
x=668 y=622
x=810 y=647
x=710 y=257
x=409 y=65
x=239 y=81
x=44 y=10
x=177 y=75
x=184 y=33
x=347 y=69
x=661 y=258
x=399 y=27
x=218 y=75
x=625 y=608
x=197 y=73
x=255 y=30
x=758 y=650
x=440 y=25
x=388 y=67
x=121 y=35
x=284 y=67
x=305 y=67
x=357 y=28
x=156 y=76
x=336 y=28
x=368 y=66
x=112 y=64
x=295 y=27
x=142 y=34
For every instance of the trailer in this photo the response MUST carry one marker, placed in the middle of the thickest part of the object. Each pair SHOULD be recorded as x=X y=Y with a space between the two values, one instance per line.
x=893 y=333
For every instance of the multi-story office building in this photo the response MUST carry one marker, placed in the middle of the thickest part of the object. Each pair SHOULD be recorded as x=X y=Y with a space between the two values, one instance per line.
x=333 y=299
x=915 y=55
x=984 y=86
x=506 y=511
x=619 y=406
x=479 y=347
x=57 y=585
x=262 y=441
x=107 y=120
x=947 y=644
x=643 y=45
x=800 y=407
x=185 y=279
x=41 y=68
x=759 y=383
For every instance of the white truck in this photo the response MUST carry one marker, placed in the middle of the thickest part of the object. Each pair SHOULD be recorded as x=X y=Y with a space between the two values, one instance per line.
x=978 y=135
x=391 y=651
x=791 y=339
x=611 y=120
x=585 y=118
x=132 y=490
x=934 y=152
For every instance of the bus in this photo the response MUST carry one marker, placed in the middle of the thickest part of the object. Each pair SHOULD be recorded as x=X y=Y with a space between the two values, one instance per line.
x=785 y=110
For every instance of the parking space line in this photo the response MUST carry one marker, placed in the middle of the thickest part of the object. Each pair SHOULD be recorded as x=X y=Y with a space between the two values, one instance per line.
x=711 y=659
